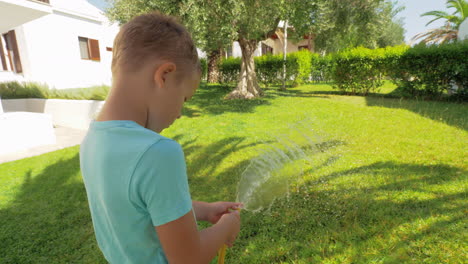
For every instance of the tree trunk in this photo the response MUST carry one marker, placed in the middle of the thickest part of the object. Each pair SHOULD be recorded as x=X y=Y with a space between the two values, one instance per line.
x=213 y=69
x=247 y=87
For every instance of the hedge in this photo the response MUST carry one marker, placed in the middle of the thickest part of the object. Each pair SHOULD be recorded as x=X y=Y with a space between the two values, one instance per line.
x=421 y=70
x=269 y=69
x=15 y=90
x=204 y=68
x=433 y=70
x=361 y=70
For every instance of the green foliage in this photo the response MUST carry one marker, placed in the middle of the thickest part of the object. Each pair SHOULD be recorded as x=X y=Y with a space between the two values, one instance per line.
x=344 y=24
x=204 y=67
x=430 y=70
x=14 y=90
x=422 y=70
x=321 y=68
x=269 y=68
x=301 y=66
x=229 y=70
x=361 y=70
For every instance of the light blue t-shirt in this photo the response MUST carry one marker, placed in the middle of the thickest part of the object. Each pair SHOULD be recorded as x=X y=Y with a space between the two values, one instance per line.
x=135 y=179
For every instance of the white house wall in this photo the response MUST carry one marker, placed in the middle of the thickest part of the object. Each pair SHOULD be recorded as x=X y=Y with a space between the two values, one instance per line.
x=237 y=51
x=276 y=44
x=52 y=55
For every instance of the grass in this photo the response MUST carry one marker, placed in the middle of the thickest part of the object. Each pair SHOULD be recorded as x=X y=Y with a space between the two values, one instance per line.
x=391 y=187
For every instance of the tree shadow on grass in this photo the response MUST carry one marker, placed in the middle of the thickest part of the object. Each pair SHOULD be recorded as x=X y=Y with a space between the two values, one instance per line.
x=388 y=211
x=209 y=99
x=49 y=219
x=294 y=92
x=452 y=114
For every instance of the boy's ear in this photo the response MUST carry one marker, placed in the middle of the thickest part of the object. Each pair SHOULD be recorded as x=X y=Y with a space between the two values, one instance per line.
x=161 y=73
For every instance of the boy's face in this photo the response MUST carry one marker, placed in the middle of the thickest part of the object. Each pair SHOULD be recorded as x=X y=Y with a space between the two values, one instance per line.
x=171 y=100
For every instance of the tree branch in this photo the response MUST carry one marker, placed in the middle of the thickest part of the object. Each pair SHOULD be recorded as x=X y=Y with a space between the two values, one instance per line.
x=272 y=31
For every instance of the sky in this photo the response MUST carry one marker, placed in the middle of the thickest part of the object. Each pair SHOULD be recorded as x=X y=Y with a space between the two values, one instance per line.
x=411 y=15
x=102 y=4
x=413 y=22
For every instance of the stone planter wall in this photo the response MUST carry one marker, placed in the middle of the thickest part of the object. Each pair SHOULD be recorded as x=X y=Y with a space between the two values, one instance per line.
x=68 y=113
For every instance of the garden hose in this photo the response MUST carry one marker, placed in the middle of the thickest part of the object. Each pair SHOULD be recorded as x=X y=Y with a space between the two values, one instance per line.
x=222 y=250
x=222 y=254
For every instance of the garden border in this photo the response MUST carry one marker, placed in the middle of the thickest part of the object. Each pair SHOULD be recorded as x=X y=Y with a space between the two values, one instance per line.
x=68 y=113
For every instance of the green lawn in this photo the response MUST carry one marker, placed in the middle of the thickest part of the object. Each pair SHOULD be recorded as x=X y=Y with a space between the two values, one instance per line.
x=389 y=184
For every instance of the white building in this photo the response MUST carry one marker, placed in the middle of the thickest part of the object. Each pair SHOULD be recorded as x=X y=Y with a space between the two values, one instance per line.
x=463 y=30
x=274 y=44
x=62 y=43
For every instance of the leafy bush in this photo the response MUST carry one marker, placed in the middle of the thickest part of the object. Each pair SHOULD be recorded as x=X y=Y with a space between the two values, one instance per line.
x=432 y=70
x=269 y=69
x=301 y=66
x=14 y=90
x=321 y=68
x=361 y=70
x=421 y=70
x=204 y=67
x=229 y=70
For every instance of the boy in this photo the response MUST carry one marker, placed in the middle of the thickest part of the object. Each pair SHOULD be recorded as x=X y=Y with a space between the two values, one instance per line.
x=135 y=178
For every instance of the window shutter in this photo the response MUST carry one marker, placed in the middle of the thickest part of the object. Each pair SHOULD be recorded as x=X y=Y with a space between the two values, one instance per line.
x=17 y=60
x=94 y=49
x=2 y=55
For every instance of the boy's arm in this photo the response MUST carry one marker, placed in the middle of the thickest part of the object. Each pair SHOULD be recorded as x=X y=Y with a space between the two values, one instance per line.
x=212 y=212
x=183 y=243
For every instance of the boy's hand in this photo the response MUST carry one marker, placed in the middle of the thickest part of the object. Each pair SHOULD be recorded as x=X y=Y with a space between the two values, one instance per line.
x=232 y=221
x=218 y=209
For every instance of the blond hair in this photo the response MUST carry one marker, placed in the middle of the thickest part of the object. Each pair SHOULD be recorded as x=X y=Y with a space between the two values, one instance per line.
x=153 y=36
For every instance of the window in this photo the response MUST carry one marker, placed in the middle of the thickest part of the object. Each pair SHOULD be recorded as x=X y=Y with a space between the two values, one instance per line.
x=9 y=53
x=305 y=47
x=89 y=49
x=2 y=56
x=266 y=49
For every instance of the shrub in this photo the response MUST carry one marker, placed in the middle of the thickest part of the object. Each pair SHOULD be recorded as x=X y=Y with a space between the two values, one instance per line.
x=361 y=70
x=431 y=70
x=269 y=69
x=301 y=66
x=229 y=70
x=321 y=68
x=15 y=90
x=204 y=67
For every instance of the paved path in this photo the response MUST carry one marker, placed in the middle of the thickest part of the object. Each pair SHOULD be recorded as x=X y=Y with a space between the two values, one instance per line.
x=66 y=137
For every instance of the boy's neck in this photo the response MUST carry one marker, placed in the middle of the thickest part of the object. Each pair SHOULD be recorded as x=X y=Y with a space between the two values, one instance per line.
x=122 y=104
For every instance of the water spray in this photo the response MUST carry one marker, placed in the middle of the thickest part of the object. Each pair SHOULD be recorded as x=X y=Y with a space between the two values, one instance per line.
x=269 y=175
